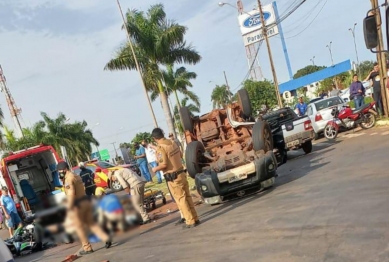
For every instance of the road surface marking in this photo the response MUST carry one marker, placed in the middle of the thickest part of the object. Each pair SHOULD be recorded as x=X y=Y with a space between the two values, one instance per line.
x=354 y=135
x=385 y=133
x=373 y=134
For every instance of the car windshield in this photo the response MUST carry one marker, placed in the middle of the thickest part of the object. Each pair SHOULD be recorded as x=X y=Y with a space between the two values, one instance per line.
x=103 y=164
x=333 y=101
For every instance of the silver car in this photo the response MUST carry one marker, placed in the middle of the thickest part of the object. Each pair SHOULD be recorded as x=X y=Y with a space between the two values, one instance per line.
x=319 y=112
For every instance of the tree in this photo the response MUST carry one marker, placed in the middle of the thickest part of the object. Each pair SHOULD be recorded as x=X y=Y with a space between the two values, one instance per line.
x=364 y=68
x=307 y=70
x=178 y=81
x=220 y=96
x=142 y=136
x=193 y=108
x=75 y=137
x=157 y=42
x=262 y=95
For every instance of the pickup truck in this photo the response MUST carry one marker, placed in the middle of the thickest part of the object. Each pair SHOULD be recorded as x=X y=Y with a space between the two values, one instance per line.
x=228 y=153
x=290 y=132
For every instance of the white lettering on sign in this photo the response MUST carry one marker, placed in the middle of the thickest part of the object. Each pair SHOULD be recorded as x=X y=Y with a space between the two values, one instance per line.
x=257 y=36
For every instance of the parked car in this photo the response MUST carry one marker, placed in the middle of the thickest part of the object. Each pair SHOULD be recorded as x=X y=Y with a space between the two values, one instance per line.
x=319 y=112
x=228 y=153
x=290 y=132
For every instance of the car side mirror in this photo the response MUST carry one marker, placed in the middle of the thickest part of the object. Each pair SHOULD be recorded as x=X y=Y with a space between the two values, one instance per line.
x=370 y=32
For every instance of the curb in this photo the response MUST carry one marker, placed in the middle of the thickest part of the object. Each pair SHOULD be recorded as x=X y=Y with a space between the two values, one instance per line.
x=382 y=123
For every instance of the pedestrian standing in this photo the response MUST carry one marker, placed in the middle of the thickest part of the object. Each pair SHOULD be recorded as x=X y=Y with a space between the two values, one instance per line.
x=151 y=158
x=357 y=91
x=334 y=91
x=133 y=185
x=10 y=212
x=87 y=177
x=301 y=107
x=140 y=156
x=374 y=77
x=80 y=206
x=169 y=159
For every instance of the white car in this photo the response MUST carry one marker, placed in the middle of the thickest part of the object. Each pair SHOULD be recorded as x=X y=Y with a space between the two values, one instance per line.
x=319 y=112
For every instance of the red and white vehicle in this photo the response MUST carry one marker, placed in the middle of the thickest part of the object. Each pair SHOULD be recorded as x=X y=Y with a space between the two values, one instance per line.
x=32 y=178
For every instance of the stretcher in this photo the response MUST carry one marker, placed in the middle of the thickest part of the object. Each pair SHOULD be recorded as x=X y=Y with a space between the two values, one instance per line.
x=151 y=196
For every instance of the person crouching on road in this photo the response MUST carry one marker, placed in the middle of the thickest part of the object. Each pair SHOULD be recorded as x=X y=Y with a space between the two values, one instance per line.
x=110 y=212
x=80 y=205
x=169 y=161
x=133 y=185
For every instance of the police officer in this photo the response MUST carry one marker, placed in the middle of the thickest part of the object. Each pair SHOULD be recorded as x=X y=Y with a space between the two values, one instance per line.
x=80 y=206
x=169 y=161
x=87 y=177
x=134 y=185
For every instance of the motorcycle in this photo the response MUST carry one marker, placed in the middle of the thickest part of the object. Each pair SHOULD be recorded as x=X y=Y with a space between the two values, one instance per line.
x=347 y=118
x=27 y=239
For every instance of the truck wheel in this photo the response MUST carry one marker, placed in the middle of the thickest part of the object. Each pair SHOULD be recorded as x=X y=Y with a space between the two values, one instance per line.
x=307 y=147
x=193 y=154
x=244 y=103
x=262 y=136
x=186 y=119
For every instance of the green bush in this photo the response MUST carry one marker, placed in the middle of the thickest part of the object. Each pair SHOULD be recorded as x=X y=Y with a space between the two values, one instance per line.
x=368 y=100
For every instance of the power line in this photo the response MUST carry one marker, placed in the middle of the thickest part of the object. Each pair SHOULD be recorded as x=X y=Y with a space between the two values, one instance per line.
x=310 y=12
x=309 y=23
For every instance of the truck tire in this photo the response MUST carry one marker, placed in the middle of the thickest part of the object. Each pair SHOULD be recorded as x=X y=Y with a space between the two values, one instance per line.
x=193 y=154
x=262 y=136
x=186 y=119
x=307 y=147
x=245 y=103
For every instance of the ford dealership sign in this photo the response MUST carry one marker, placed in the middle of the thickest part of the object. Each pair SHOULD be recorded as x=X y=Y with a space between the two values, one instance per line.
x=255 y=20
x=251 y=21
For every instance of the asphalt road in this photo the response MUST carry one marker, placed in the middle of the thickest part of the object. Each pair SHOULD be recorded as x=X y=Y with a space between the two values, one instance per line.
x=330 y=205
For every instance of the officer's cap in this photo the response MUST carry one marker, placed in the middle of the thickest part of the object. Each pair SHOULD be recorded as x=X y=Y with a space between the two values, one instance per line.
x=81 y=164
x=62 y=165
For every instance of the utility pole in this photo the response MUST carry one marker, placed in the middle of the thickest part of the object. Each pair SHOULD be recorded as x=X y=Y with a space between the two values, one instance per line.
x=14 y=110
x=264 y=33
x=356 y=50
x=137 y=65
x=381 y=58
x=228 y=87
x=114 y=147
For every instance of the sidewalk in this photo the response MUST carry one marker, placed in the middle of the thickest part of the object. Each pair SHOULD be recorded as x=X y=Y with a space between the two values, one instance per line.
x=162 y=215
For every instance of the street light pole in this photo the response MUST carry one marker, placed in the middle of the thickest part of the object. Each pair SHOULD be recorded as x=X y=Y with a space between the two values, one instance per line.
x=313 y=60
x=228 y=87
x=137 y=65
x=355 y=45
x=264 y=33
x=329 y=48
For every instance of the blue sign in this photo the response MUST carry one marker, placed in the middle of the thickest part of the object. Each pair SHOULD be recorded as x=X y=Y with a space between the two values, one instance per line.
x=95 y=155
x=255 y=20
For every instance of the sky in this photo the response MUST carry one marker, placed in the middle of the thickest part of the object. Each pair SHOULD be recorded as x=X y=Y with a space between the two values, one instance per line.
x=53 y=54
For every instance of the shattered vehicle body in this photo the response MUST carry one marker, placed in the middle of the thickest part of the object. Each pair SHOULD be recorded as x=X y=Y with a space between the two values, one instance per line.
x=228 y=154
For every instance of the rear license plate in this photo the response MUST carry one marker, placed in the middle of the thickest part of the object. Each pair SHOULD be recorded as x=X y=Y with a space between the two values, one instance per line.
x=293 y=143
x=235 y=178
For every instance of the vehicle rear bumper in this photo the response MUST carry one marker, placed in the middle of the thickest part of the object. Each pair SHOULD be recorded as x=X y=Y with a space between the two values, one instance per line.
x=213 y=186
x=300 y=137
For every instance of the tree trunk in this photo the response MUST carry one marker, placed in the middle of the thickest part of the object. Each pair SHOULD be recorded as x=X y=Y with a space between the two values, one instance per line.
x=178 y=101
x=166 y=109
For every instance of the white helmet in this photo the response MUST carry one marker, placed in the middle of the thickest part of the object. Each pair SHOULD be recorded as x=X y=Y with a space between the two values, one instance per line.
x=81 y=164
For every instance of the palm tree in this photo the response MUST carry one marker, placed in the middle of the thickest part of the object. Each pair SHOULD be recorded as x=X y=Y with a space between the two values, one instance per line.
x=157 y=42
x=193 y=108
x=178 y=81
x=220 y=96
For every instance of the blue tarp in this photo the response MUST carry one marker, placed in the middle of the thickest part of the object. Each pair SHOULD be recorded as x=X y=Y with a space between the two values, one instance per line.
x=315 y=77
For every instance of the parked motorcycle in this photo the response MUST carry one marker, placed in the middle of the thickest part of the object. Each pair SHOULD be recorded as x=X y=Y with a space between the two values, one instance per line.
x=347 y=118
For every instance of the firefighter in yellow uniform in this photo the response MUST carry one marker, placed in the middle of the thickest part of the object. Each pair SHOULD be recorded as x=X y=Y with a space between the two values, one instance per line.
x=169 y=161
x=80 y=207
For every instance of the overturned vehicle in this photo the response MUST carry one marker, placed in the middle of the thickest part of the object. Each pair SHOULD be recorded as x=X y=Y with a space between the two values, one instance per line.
x=228 y=153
